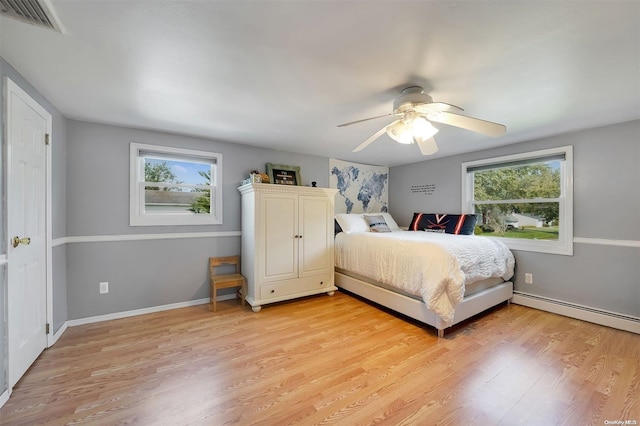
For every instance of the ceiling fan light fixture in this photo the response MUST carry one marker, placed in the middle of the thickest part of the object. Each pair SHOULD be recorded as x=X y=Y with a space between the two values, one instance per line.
x=418 y=111
x=411 y=129
x=400 y=132
x=422 y=129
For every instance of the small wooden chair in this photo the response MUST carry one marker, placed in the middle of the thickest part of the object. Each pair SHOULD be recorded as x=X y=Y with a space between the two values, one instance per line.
x=219 y=281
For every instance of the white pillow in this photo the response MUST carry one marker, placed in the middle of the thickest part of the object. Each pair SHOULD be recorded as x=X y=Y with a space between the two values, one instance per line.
x=391 y=223
x=387 y=218
x=376 y=223
x=351 y=223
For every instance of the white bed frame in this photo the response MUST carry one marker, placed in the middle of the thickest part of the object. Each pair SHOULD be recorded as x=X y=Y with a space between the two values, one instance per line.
x=415 y=308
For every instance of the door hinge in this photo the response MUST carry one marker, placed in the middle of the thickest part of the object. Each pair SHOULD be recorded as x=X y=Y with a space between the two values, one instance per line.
x=46 y=139
x=47 y=329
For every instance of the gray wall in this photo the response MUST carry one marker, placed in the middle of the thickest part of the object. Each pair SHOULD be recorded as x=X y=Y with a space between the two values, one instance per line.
x=59 y=212
x=606 y=206
x=147 y=273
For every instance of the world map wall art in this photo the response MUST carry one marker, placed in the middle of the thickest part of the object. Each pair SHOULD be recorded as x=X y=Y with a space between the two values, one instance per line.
x=361 y=188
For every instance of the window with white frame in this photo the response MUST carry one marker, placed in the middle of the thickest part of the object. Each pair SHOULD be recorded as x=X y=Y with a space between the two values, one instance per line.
x=526 y=200
x=174 y=186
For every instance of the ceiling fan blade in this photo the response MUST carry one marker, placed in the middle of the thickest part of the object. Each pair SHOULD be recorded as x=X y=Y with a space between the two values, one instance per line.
x=474 y=124
x=372 y=138
x=436 y=106
x=365 y=119
x=427 y=147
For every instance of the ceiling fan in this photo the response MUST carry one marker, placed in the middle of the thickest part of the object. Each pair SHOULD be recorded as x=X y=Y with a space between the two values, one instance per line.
x=417 y=111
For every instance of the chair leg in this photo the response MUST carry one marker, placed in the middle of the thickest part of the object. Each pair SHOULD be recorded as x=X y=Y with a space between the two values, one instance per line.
x=244 y=292
x=214 y=296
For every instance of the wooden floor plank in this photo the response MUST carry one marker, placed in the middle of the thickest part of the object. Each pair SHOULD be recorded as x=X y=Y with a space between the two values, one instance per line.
x=336 y=360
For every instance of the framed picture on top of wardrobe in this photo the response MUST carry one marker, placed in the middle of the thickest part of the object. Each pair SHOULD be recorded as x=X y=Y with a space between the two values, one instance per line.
x=284 y=175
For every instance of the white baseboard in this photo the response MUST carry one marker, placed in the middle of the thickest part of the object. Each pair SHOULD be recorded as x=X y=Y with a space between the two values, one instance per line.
x=608 y=319
x=118 y=315
x=4 y=398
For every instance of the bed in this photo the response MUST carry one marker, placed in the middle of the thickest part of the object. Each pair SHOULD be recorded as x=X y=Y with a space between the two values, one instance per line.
x=438 y=278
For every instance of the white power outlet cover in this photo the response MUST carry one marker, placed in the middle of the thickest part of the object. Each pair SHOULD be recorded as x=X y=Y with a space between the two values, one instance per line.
x=104 y=287
x=528 y=278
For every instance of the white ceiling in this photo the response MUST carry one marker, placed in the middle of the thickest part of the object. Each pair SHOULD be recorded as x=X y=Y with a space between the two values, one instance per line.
x=283 y=74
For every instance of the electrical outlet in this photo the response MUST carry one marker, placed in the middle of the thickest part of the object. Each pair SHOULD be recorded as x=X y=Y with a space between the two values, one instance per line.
x=104 y=287
x=528 y=278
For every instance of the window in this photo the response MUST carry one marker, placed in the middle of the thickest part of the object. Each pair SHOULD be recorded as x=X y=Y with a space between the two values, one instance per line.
x=172 y=186
x=526 y=200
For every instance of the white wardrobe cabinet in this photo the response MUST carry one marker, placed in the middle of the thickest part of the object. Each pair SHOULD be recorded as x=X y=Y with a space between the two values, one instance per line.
x=287 y=242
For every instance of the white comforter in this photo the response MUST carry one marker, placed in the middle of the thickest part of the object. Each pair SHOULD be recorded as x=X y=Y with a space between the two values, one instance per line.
x=433 y=266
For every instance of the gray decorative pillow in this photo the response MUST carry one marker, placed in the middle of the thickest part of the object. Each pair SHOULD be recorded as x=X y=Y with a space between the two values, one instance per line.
x=377 y=224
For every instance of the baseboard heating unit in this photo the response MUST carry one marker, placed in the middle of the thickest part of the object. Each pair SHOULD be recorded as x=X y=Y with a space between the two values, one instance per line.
x=584 y=313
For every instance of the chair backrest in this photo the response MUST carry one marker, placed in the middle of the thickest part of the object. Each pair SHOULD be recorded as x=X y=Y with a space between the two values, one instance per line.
x=214 y=262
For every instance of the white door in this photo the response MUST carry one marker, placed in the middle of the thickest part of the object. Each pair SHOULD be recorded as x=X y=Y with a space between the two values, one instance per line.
x=316 y=236
x=27 y=126
x=279 y=220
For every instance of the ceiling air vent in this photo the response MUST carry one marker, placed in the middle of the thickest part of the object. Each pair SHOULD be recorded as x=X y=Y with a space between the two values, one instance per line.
x=36 y=12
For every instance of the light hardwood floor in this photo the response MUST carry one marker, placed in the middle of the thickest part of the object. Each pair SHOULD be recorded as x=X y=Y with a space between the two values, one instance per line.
x=334 y=360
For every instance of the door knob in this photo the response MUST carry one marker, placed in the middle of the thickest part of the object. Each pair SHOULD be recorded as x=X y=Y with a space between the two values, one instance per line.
x=17 y=241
